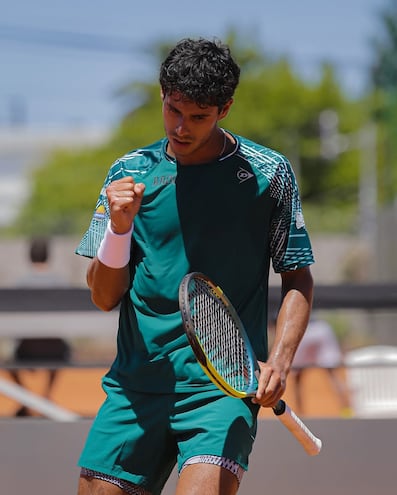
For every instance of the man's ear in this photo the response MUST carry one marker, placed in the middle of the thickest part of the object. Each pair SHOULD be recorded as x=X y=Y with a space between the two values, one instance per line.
x=162 y=94
x=225 y=109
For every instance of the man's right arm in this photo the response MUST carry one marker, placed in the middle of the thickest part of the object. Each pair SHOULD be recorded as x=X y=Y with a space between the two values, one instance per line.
x=108 y=274
x=107 y=285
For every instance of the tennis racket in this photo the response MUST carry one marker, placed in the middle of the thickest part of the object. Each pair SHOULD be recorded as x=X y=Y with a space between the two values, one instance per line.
x=221 y=346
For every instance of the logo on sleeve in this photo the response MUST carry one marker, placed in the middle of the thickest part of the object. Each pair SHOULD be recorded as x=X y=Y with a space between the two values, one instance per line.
x=100 y=213
x=243 y=175
x=299 y=220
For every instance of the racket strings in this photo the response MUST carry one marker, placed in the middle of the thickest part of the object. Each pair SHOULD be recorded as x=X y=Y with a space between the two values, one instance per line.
x=219 y=336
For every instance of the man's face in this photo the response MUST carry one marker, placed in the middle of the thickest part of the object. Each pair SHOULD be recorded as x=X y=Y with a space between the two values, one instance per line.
x=192 y=130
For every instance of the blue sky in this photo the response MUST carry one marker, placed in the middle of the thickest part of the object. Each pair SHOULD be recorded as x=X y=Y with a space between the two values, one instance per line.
x=57 y=83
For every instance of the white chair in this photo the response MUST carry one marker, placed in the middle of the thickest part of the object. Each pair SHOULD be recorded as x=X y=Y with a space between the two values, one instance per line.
x=371 y=375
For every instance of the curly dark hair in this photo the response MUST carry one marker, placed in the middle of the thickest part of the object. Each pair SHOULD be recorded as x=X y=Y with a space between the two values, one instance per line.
x=203 y=71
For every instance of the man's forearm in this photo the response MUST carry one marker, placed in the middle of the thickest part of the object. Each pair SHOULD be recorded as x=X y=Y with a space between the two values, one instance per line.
x=107 y=285
x=293 y=316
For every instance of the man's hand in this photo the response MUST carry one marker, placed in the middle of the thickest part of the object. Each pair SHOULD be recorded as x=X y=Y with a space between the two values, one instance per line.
x=271 y=385
x=124 y=197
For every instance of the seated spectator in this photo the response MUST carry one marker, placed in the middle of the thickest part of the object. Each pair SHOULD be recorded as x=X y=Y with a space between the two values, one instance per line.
x=319 y=348
x=39 y=350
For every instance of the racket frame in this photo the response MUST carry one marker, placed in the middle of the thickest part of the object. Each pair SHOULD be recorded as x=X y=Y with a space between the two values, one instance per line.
x=199 y=351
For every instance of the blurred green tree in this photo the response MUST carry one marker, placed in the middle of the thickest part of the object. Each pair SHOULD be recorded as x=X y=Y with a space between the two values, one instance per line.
x=384 y=67
x=383 y=74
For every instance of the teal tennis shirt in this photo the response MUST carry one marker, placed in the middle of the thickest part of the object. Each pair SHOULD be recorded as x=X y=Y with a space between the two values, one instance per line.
x=230 y=219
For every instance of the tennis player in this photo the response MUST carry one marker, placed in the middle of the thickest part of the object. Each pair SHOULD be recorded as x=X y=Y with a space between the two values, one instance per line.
x=201 y=199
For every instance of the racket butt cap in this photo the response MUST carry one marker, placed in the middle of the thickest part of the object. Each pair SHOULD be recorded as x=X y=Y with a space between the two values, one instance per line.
x=279 y=408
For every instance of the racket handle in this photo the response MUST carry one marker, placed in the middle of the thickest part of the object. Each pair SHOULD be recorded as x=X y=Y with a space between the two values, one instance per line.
x=295 y=425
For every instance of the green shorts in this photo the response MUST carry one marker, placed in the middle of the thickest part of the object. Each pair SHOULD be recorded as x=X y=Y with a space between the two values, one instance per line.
x=139 y=437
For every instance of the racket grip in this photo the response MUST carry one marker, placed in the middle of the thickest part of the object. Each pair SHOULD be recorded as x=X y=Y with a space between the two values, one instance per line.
x=295 y=425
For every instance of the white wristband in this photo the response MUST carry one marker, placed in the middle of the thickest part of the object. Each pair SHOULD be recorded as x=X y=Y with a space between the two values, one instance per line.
x=114 y=250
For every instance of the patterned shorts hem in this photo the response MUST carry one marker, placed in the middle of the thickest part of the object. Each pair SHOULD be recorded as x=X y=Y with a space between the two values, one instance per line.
x=232 y=466
x=126 y=486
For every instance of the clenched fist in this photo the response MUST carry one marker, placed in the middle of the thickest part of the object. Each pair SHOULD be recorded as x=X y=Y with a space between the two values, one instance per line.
x=124 y=197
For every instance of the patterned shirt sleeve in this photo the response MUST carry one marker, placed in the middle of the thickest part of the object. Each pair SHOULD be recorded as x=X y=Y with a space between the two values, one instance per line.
x=93 y=236
x=290 y=244
x=121 y=168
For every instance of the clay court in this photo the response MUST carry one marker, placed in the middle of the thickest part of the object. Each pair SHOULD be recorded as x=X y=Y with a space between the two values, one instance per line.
x=79 y=390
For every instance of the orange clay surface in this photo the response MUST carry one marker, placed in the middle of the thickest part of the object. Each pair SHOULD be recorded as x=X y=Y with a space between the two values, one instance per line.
x=79 y=390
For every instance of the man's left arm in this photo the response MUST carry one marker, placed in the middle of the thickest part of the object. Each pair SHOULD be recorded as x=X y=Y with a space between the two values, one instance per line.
x=292 y=320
